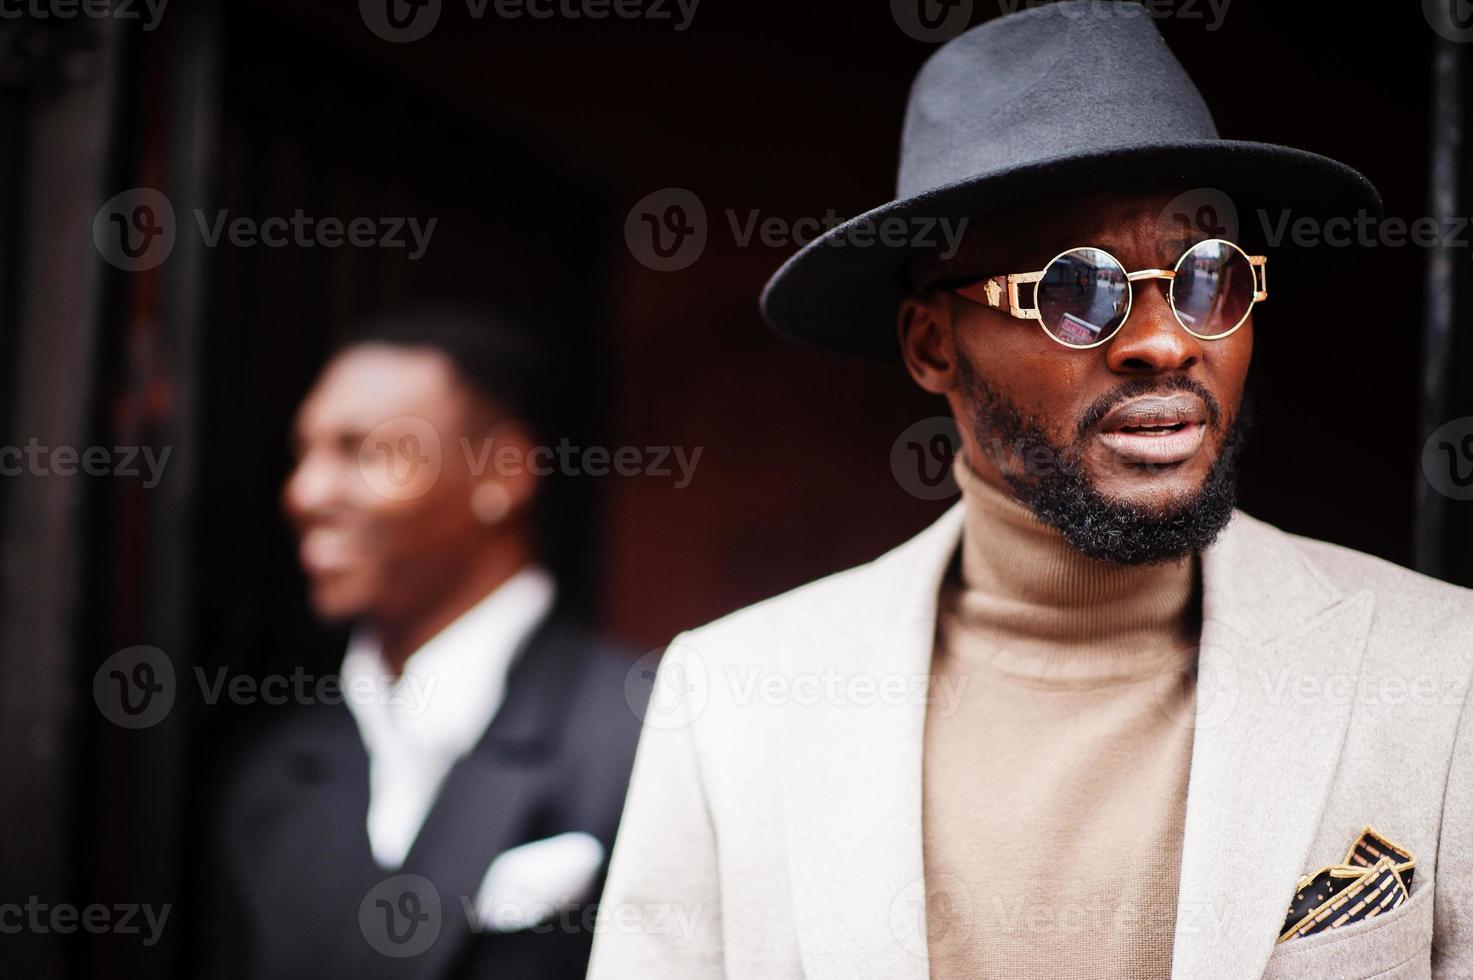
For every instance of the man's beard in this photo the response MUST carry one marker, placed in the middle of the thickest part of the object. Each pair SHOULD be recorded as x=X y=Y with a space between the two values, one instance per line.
x=1062 y=496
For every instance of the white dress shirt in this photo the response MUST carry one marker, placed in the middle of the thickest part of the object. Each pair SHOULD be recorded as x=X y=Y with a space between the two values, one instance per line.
x=415 y=727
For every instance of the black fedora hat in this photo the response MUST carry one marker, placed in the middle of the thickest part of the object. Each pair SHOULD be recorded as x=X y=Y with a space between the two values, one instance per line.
x=1071 y=96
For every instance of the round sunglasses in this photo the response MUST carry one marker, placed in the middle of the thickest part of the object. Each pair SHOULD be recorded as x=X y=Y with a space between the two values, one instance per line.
x=1083 y=296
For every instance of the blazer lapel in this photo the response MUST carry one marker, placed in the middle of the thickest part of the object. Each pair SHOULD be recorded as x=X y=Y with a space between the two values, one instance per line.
x=852 y=771
x=488 y=803
x=315 y=861
x=1279 y=657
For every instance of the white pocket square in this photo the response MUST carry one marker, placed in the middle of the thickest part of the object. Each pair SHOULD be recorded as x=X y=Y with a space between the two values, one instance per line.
x=530 y=883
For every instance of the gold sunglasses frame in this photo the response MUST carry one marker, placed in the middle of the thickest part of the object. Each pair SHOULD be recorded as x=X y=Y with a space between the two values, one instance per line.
x=993 y=291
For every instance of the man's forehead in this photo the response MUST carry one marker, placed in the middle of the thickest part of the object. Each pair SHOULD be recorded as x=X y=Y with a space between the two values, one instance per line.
x=364 y=386
x=1131 y=223
x=1106 y=219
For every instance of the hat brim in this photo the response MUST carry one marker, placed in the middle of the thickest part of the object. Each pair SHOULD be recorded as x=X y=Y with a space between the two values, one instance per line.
x=842 y=290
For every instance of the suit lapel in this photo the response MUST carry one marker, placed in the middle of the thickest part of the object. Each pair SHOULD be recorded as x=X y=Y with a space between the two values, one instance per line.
x=852 y=768
x=488 y=803
x=313 y=869
x=1279 y=656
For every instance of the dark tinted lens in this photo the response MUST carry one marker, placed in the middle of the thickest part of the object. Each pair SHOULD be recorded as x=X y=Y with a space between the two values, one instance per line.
x=1213 y=288
x=1083 y=297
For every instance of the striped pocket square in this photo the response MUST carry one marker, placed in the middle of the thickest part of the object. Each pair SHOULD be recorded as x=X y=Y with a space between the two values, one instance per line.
x=1375 y=877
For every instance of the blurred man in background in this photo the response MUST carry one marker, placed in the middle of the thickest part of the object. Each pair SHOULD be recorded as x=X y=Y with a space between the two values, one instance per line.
x=449 y=815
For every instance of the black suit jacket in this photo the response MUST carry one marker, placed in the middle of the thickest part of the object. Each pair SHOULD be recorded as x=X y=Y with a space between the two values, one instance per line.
x=295 y=872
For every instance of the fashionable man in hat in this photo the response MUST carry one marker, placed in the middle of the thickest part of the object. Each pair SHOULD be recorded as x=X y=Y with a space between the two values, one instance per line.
x=1093 y=722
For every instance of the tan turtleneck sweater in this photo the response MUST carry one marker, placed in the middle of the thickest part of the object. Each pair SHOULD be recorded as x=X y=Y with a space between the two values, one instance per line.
x=1055 y=787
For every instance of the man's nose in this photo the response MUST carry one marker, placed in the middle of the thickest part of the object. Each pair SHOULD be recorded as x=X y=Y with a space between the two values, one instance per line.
x=312 y=487
x=1151 y=341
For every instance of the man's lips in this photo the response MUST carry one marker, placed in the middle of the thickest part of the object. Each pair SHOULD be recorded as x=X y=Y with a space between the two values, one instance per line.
x=326 y=550
x=1155 y=429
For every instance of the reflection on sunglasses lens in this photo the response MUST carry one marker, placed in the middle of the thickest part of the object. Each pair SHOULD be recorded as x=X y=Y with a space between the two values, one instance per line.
x=1083 y=297
x=1213 y=289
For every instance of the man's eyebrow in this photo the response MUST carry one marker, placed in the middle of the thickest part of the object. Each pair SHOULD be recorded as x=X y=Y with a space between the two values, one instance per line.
x=1085 y=235
x=1174 y=247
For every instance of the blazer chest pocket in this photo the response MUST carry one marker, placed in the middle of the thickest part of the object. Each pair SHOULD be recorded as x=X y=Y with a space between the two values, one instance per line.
x=1394 y=946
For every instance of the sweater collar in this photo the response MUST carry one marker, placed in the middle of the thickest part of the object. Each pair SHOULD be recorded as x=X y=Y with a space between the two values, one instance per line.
x=1027 y=591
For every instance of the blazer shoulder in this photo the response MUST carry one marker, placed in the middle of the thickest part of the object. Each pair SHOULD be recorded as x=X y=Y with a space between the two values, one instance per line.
x=1352 y=571
x=857 y=601
x=1413 y=610
x=315 y=729
x=593 y=655
x=263 y=768
x=763 y=616
x=602 y=684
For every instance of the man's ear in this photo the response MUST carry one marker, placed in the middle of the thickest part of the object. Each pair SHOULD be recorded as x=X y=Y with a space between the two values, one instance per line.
x=507 y=489
x=927 y=342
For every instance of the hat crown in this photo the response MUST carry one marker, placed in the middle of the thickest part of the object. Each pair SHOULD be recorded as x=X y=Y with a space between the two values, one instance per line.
x=1042 y=83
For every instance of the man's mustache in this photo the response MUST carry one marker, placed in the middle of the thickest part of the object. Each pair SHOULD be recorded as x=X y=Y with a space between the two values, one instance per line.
x=1148 y=386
